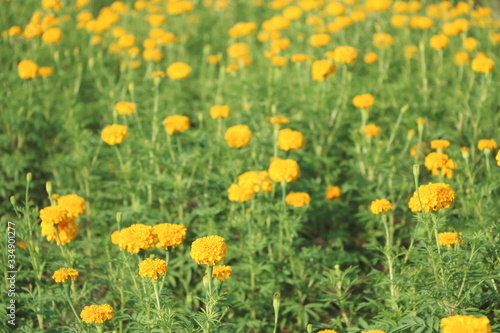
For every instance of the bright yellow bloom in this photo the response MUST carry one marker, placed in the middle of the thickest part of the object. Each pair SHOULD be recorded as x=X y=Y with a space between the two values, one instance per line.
x=380 y=205
x=279 y=120
x=399 y=21
x=67 y=231
x=238 y=51
x=470 y=44
x=220 y=111
x=213 y=59
x=125 y=108
x=287 y=170
x=27 y=69
x=437 y=160
x=363 y=101
x=440 y=144
x=449 y=238
x=298 y=199
x=383 y=40
x=370 y=58
x=151 y=268
x=170 y=235
x=238 y=136
x=461 y=58
x=222 y=272
x=377 y=5
x=52 y=35
x=53 y=214
x=240 y=193
x=178 y=71
x=73 y=204
x=434 y=196
x=289 y=139
x=137 y=237
x=333 y=192
x=498 y=158
x=371 y=130
x=344 y=54
x=320 y=40
x=321 y=69
x=97 y=313
x=373 y=331
x=114 y=134
x=439 y=42
x=299 y=57
x=115 y=237
x=63 y=274
x=278 y=61
x=327 y=331
x=208 y=250
x=126 y=41
x=465 y=324
x=255 y=181
x=242 y=29
x=482 y=64
x=44 y=71
x=486 y=144
x=176 y=124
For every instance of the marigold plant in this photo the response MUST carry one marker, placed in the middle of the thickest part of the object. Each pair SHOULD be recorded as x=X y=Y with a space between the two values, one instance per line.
x=287 y=170
x=62 y=274
x=465 y=324
x=97 y=313
x=170 y=235
x=433 y=196
x=289 y=139
x=137 y=237
x=152 y=268
x=114 y=134
x=176 y=124
x=380 y=205
x=298 y=199
x=208 y=250
x=238 y=136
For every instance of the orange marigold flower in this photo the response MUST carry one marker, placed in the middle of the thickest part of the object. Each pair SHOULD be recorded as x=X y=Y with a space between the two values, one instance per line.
x=125 y=108
x=287 y=170
x=298 y=199
x=213 y=59
x=151 y=268
x=137 y=237
x=299 y=57
x=52 y=35
x=208 y=250
x=486 y=144
x=449 y=238
x=220 y=111
x=465 y=324
x=289 y=139
x=255 y=181
x=176 y=124
x=53 y=214
x=333 y=192
x=67 y=231
x=470 y=44
x=461 y=58
x=279 y=120
x=74 y=204
x=321 y=69
x=437 y=160
x=45 y=71
x=114 y=134
x=439 y=42
x=222 y=272
x=27 y=69
x=440 y=144
x=434 y=196
x=370 y=58
x=178 y=71
x=238 y=136
x=115 y=237
x=170 y=235
x=327 y=331
x=238 y=50
x=482 y=64
x=63 y=274
x=363 y=101
x=242 y=29
x=320 y=40
x=97 y=313
x=383 y=40
x=240 y=193
x=345 y=54
x=126 y=41
x=371 y=130
x=380 y=205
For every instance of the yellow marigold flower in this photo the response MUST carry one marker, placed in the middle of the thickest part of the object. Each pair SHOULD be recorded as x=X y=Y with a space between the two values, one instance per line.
x=73 y=204
x=15 y=31
x=421 y=22
x=363 y=101
x=219 y=111
x=333 y=192
x=358 y=16
x=137 y=237
x=178 y=71
x=176 y=124
x=156 y=19
x=52 y=35
x=410 y=51
x=63 y=274
x=279 y=120
x=461 y=58
x=298 y=199
x=449 y=238
x=242 y=29
x=278 y=61
x=287 y=170
x=52 y=4
x=377 y=5
x=280 y=44
x=97 y=313
x=208 y=250
x=289 y=139
x=44 y=71
x=470 y=43
x=320 y=40
x=255 y=181
x=213 y=59
x=498 y=158
x=299 y=57
x=53 y=214
x=383 y=40
x=370 y=58
x=436 y=160
x=238 y=51
x=222 y=272
x=276 y=23
x=321 y=69
x=327 y=331
x=440 y=144
x=292 y=13
x=344 y=54
x=22 y=245
x=373 y=331
x=434 y=196
x=126 y=41
x=486 y=144
x=157 y=75
x=380 y=205
x=170 y=235
x=115 y=237
x=238 y=136
x=465 y=324
x=67 y=231
x=399 y=21
x=335 y=8
x=439 y=42
x=240 y=193
x=27 y=69
x=372 y=130
x=482 y=64
x=114 y=134
x=151 y=268
x=152 y=55
x=125 y=108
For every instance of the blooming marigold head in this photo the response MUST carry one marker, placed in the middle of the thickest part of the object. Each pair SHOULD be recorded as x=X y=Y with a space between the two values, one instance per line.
x=298 y=199
x=238 y=136
x=345 y=54
x=321 y=69
x=289 y=139
x=137 y=237
x=115 y=237
x=170 y=235
x=439 y=42
x=208 y=250
x=333 y=192
x=151 y=268
x=440 y=144
x=383 y=40
x=372 y=130
x=176 y=124
x=370 y=58
x=178 y=71
x=486 y=144
x=220 y=111
x=482 y=64
x=53 y=214
x=449 y=238
x=222 y=272
x=97 y=313
x=363 y=101
x=459 y=324
x=240 y=193
x=287 y=170
x=380 y=205
x=52 y=35
x=27 y=69
x=63 y=274
x=434 y=196
x=281 y=120
x=114 y=134
x=67 y=230
x=74 y=204
x=327 y=331
x=125 y=108
x=498 y=158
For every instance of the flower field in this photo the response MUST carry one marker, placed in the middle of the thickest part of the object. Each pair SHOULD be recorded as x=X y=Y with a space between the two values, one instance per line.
x=326 y=166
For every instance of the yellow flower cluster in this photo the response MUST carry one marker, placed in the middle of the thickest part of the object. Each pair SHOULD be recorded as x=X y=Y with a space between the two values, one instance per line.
x=465 y=324
x=178 y=71
x=333 y=192
x=152 y=268
x=169 y=235
x=440 y=144
x=176 y=124
x=287 y=170
x=67 y=229
x=239 y=193
x=208 y=250
x=298 y=199
x=219 y=111
x=289 y=139
x=28 y=69
x=449 y=238
x=73 y=204
x=438 y=162
x=53 y=214
x=439 y=42
x=242 y=29
x=380 y=205
x=321 y=69
x=137 y=237
x=97 y=313
x=125 y=108
x=63 y=274
x=238 y=136
x=114 y=134
x=344 y=54
x=371 y=130
x=281 y=120
x=434 y=196
x=363 y=101
x=222 y=272
x=249 y=183
x=482 y=64
x=486 y=144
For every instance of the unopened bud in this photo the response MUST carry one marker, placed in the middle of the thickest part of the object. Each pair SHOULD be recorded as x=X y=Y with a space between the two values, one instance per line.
x=416 y=170
x=48 y=188
x=119 y=217
x=29 y=177
x=13 y=200
x=276 y=301
x=309 y=328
